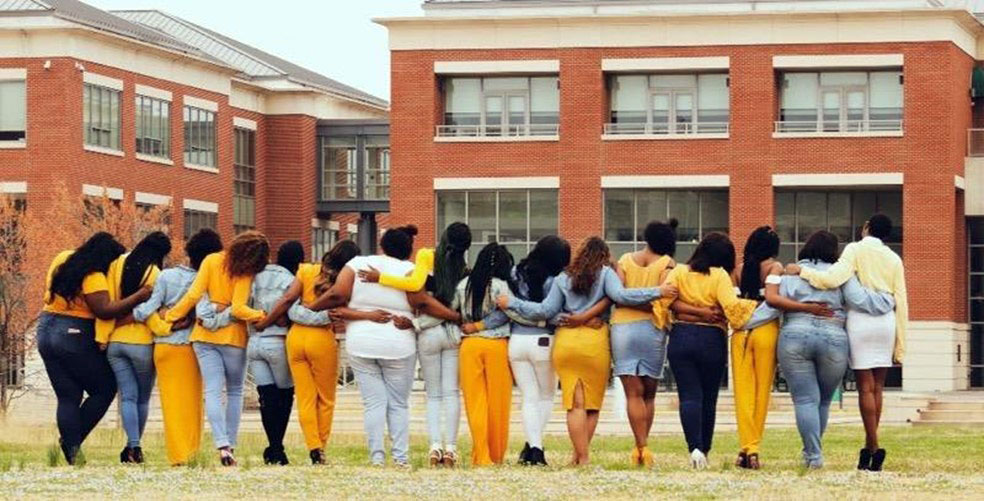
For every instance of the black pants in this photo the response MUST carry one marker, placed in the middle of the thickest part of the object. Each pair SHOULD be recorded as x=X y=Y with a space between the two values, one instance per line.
x=698 y=356
x=75 y=365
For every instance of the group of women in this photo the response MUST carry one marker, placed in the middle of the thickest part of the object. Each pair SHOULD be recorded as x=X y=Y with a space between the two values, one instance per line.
x=116 y=320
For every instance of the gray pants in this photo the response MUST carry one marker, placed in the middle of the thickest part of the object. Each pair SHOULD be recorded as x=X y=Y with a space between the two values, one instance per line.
x=267 y=356
x=439 y=363
x=385 y=386
x=813 y=355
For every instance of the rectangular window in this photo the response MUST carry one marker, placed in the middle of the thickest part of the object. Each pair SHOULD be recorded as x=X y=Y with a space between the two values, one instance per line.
x=377 y=162
x=841 y=102
x=199 y=133
x=339 y=171
x=244 y=196
x=627 y=212
x=153 y=127
x=101 y=116
x=501 y=106
x=195 y=220
x=13 y=110
x=514 y=218
x=323 y=238
x=669 y=104
x=975 y=230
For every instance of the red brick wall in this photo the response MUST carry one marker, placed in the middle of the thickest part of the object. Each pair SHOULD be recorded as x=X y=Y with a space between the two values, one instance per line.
x=291 y=180
x=937 y=114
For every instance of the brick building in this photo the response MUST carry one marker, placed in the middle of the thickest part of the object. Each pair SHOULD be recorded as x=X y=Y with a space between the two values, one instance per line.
x=530 y=117
x=150 y=108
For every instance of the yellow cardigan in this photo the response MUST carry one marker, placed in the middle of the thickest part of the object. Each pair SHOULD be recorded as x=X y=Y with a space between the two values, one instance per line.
x=709 y=289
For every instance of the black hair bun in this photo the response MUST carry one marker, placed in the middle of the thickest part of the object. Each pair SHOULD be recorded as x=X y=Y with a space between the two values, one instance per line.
x=409 y=229
x=673 y=223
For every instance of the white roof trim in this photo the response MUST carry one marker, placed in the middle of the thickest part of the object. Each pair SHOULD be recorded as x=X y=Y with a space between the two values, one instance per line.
x=102 y=81
x=243 y=123
x=666 y=64
x=98 y=191
x=13 y=74
x=502 y=183
x=200 y=205
x=204 y=104
x=152 y=198
x=839 y=61
x=490 y=67
x=13 y=187
x=145 y=90
x=699 y=181
x=842 y=179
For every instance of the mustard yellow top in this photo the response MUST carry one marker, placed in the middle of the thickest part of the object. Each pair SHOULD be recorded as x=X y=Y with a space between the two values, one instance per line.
x=92 y=283
x=423 y=266
x=878 y=267
x=308 y=275
x=713 y=288
x=134 y=332
x=643 y=276
x=222 y=289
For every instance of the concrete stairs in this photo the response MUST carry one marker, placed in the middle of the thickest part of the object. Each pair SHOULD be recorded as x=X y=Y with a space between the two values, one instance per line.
x=958 y=410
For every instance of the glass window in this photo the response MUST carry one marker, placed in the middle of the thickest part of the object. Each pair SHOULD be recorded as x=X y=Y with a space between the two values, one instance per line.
x=698 y=211
x=854 y=101
x=101 y=116
x=463 y=101
x=630 y=94
x=195 y=220
x=799 y=99
x=377 y=168
x=545 y=100
x=323 y=238
x=244 y=196
x=975 y=228
x=339 y=172
x=669 y=104
x=498 y=106
x=199 y=135
x=713 y=99
x=153 y=127
x=515 y=218
x=13 y=110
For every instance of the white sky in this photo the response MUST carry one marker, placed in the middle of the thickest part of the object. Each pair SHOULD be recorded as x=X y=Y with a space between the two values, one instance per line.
x=333 y=37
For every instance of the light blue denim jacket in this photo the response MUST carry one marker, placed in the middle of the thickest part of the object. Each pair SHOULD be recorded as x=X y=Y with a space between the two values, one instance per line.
x=170 y=287
x=562 y=298
x=850 y=296
x=521 y=326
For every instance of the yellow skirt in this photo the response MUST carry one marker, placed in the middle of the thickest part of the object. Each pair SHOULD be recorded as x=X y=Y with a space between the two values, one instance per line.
x=584 y=355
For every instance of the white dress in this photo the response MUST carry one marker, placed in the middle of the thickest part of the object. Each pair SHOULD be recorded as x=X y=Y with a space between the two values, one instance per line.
x=872 y=339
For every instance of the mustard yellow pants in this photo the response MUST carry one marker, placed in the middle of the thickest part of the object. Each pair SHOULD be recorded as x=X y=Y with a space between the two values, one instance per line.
x=180 y=385
x=753 y=364
x=486 y=384
x=312 y=354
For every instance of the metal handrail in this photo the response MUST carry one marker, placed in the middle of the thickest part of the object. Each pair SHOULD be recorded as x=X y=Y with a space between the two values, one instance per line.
x=837 y=127
x=524 y=130
x=662 y=129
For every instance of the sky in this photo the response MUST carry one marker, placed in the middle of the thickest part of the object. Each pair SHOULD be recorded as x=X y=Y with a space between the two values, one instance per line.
x=333 y=37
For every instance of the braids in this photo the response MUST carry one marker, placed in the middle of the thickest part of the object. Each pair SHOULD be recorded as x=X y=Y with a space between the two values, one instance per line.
x=151 y=251
x=494 y=261
x=449 y=261
x=762 y=244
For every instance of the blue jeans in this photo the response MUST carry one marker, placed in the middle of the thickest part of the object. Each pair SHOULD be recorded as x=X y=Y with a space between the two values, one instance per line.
x=385 y=386
x=698 y=356
x=813 y=356
x=75 y=366
x=222 y=365
x=133 y=365
x=267 y=357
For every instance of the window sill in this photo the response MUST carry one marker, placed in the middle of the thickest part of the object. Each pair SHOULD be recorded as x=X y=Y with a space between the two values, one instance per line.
x=203 y=168
x=13 y=145
x=662 y=137
x=153 y=159
x=835 y=135
x=495 y=139
x=104 y=151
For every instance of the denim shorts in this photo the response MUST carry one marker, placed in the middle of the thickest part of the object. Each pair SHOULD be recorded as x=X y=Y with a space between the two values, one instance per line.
x=638 y=349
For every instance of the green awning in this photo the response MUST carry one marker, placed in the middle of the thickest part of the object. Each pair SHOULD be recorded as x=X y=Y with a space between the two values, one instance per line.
x=977 y=82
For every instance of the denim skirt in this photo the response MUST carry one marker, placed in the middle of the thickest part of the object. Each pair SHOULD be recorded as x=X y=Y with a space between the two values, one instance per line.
x=638 y=349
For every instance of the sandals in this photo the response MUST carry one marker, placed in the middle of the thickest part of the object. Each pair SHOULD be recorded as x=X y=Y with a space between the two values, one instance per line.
x=226 y=457
x=450 y=459
x=436 y=458
x=742 y=460
x=753 y=462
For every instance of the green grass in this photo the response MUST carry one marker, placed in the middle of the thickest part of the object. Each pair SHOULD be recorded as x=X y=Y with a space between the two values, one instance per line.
x=925 y=463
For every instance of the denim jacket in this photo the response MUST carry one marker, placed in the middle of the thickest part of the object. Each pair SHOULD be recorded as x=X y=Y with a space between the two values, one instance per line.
x=170 y=286
x=563 y=299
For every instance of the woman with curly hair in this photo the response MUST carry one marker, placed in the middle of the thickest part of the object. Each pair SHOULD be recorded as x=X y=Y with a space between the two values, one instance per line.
x=130 y=344
x=77 y=293
x=227 y=277
x=581 y=353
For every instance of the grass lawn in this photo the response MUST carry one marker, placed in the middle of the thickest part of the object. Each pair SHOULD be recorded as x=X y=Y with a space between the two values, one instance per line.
x=925 y=463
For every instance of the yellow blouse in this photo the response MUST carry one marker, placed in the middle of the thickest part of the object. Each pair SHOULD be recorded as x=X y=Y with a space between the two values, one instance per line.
x=93 y=282
x=309 y=275
x=709 y=289
x=643 y=276
x=423 y=266
x=134 y=332
x=223 y=289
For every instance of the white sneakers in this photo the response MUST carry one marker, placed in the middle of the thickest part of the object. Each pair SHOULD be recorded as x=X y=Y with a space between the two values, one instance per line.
x=698 y=460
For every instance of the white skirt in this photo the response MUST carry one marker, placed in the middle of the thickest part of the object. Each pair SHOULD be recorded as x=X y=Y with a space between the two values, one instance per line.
x=872 y=339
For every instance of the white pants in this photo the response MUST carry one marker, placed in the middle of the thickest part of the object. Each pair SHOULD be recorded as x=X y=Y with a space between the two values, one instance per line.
x=535 y=377
x=439 y=363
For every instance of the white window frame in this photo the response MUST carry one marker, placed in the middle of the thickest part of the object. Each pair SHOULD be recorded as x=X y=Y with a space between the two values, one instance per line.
x=110 y=146
x=505 y=130
x=845 y=127
x=15 y=75
x=144 y=127
x=672 y=130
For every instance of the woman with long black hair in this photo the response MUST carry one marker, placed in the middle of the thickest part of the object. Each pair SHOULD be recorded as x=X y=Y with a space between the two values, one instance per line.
x=77 y=293
x=131 y=344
